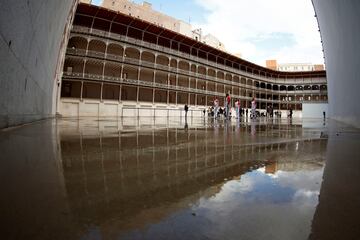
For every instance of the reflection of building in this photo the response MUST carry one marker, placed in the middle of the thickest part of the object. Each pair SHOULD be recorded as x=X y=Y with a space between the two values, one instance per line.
x=124 y=180
x=119 y=65
x=289 y=166
x=294 y=67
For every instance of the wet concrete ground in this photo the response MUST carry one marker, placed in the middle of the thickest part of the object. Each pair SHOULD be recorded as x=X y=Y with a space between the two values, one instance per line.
x=170 y=179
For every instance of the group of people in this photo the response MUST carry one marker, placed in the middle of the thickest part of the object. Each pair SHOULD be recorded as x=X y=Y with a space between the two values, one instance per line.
x=217 y=110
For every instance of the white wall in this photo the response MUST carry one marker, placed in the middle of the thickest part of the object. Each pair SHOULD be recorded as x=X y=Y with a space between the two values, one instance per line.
x=31 y=35
x=96 y=108
x=315 y=110
x=339 y=29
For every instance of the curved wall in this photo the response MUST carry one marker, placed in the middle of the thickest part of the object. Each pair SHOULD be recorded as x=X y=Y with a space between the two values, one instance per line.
x=339 y=28
x=31 y=41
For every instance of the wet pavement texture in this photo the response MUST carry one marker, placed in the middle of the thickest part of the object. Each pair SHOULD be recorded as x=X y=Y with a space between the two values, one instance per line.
x=168 y=178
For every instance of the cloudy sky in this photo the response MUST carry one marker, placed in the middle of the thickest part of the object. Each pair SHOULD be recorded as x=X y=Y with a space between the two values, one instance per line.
x=285 y=30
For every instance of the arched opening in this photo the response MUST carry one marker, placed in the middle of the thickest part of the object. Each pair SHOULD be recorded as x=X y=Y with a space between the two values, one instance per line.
x=184 y=65
x=162 y=60
x=132 y=53
x=307 y=87
x=236 y=79
x=173 y=63
x=211 y=72
x=148 y=57
x=193 y=68
x=202 y=70
x=97 y=47
x=220 y=75
x=315 y=87
x=228 y=77
x=77 y=43
x=115 y=50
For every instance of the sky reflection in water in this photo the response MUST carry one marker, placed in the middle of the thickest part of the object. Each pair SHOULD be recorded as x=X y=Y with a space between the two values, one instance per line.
x=258 y=205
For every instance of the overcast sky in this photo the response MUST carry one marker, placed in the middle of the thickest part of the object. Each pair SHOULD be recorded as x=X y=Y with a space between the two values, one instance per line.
x=285 y=30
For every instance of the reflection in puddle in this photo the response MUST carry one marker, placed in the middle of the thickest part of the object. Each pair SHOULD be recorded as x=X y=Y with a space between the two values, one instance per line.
x=206 y=183
x=259 y=205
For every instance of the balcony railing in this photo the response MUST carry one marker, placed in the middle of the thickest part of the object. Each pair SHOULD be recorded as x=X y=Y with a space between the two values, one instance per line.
x=191 y=58
x=112 y=79
x=128 y=60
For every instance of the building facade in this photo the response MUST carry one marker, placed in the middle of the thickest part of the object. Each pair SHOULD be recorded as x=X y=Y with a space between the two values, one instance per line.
x=119 y=65
x=211 y=40
x=293 y=67
x=145 y=12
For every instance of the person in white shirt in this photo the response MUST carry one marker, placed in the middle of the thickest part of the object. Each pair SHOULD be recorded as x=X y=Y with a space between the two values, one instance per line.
x=216 y=107
x=237 y=107
x=253 y=108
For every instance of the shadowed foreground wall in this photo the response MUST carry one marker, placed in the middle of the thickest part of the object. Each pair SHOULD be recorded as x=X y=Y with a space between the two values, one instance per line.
x=339 y=28
x=31 y=38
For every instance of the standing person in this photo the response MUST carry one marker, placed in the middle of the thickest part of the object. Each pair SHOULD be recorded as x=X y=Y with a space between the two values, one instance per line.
x=237 y=104
x=247 y=112
x=186 y=108
x=216 y=107
x=291 y=113
x=253 y=108
x=324 y=114
x=227 y=105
